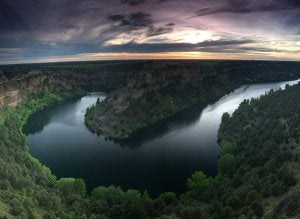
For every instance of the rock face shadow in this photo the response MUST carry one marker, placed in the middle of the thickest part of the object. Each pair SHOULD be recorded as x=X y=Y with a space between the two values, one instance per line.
x=179 y=120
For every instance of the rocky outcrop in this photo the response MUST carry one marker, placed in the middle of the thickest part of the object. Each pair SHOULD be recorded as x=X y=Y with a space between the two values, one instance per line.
x=16 y=89
x=13 y=91
x=18 y=82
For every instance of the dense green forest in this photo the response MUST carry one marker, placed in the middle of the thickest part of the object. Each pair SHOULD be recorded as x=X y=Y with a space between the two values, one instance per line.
x=258 y=167
x=262 y=140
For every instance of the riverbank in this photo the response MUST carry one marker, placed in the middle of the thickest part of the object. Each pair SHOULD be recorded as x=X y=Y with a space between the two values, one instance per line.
x=28 y=189
x=155 y=149
x=31 y=190
x=260 y=153
x=25 y=181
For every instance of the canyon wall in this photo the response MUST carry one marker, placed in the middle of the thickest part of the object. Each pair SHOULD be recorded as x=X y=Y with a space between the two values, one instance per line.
x=14 y=90
x=16 y=83
x=139 y=92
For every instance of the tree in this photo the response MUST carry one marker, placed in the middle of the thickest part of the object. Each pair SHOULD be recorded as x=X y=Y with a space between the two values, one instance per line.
x=198 y=181
x=226 y=163
x=79 y=187
x=257 y=208
x=168 y=198
x=228 y=147
x=191 y=212
x=65 y=185
x=71 y=185
x=225 y=117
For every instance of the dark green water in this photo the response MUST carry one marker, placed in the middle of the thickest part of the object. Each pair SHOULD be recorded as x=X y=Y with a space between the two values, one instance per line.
x=157 y=159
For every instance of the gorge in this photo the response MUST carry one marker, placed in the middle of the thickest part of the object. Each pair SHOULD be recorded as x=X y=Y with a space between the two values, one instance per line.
x=154 y=85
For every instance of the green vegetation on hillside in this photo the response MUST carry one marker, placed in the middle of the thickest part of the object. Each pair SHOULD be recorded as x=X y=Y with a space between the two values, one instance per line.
x=26 y=185
x=261 y=141
x=29 y=190
x=164 y=88
x=154 y=106
x=258 y=166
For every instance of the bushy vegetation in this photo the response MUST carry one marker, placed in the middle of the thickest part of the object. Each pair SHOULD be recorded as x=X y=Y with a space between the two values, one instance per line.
x=25 y=184
x=261 y=145
x=252 y=171
x=31 y=191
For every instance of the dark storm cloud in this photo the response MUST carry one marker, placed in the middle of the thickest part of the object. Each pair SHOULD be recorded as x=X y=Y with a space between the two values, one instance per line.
x=294 y=21
x=170 y=24
x=39 y=15
x=217 y=46
x=133 y=2
x=134 y=20
x=162 y=1
x=260 y=49
x=155 y=31
x=9 y=19
x=268 y=50
x=224 y=42
x=246 y=6
x=241 y=50
x=39 y=28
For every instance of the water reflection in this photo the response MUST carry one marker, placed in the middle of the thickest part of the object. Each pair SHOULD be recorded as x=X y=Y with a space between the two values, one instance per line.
x=158 y=158
x=37 y=122
x=179 y=120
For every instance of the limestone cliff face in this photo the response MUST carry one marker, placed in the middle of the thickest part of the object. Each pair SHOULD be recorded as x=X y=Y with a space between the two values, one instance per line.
x=14 y=89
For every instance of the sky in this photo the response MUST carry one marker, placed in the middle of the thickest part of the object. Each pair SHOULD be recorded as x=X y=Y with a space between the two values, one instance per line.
x=80 y=30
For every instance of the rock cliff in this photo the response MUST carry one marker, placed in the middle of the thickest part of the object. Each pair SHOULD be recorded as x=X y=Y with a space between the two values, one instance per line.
x=16 y=82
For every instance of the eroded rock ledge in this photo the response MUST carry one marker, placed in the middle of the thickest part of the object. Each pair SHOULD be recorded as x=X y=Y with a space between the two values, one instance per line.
x=18 y=81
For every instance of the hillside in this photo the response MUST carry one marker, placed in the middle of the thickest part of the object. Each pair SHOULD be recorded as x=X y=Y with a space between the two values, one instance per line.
x=163 y=88
x=262 y=137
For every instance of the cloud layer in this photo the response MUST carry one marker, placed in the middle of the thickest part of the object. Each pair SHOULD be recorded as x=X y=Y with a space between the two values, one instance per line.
x=38 y=30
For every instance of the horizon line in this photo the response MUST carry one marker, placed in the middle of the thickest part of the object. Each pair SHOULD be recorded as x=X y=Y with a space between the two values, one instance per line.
x=150 y=59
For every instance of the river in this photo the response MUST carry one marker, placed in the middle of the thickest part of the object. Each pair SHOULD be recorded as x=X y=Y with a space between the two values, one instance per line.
x=157 y=159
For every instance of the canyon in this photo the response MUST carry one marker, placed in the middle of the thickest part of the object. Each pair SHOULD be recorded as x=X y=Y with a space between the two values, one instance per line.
x=139 y=93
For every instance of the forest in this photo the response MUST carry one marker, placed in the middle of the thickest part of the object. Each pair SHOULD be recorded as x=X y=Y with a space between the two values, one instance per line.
x=258 y=170
x=143 y=109
x=262 y=139
x=255 y=162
